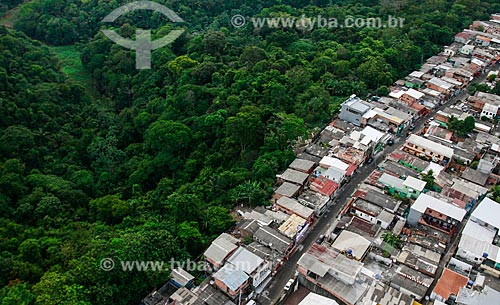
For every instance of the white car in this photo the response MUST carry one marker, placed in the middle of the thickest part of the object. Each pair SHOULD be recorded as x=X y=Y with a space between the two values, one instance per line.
x=289 y=284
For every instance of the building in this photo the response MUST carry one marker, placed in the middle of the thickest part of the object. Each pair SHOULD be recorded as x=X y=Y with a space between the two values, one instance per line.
x=328 y=162
x=468 y=296
x=435 y=213
x=440 y=86
x=273 y=239
x=292 y=206
x=325 y=269
x=411 y=96
x=480 y=240
x=410 y=187
x=301 y=165
x=420 y=146
x=252 y=265
x=411 y=282
x=181 y=278
x=294 y=228
x=287 y=189
x=293 y=176
x=316 y=299
x=231 y=281
x=352 y=244
x=314 y=200
x=220 y=249
x=353 y=110
x=449 y=283
x=371 y=213
x=324 y=186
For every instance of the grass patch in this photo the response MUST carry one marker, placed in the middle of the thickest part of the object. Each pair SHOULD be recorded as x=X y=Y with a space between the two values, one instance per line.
x=72 y=66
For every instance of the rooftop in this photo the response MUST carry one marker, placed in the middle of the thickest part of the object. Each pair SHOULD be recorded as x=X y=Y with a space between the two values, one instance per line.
x=244 y=260
x=302 y=165
x=430 y=145
x=391 y=181
x=382 y=200
x=288 y=189
x=324 y=186
x=292 y=226
x=294 y=176
x=221 y=247
x=316 y=299
x=414 y=183
x=273 y=239
x=488 y=211
x=472 y=297
x=356 y=243
x=295 y=207
x=474 y=175
x=450 y=283
x=425 y=202
x=231 y=277
x=328 y=161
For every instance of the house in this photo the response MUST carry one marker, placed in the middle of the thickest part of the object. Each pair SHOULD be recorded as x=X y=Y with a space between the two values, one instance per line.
x=294 y=228
x=467 y=49
x=381 y=294
x=440 y=86
x=324 y=186
x=463 y=37
x=470 y=296
x=273 y=239
x=328 y=162
x=371 y=213
x=287 y=189
x=293 y=176
x=231 y=281
x=220 y=249
x=384 y=201
x=301 y=165
x=419 y=258
x=410 y=187
x=247 y=228
x=255 y=267
x=315 y=201
x=292 y=206
x=482 y=41
x=420 y=146
x=479 y=241
x=316 y=299
x=411 y=96
x=353 y=110
x=435 y=213
x=411 y=282
x=323 y=269
x=449 y=283
x=352 y=244
x=181 y=278
x=334 y=174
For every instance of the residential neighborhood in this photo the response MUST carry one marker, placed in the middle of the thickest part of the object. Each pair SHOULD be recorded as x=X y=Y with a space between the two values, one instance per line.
x=420 y=227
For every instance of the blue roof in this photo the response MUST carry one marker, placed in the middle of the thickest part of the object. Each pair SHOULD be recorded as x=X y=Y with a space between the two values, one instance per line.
x=231 y=277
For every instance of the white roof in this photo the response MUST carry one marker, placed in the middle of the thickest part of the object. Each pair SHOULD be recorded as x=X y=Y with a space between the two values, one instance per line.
x=478 y=62
x=221 y=247
x=414 y=183
x=436 y=169
x=391 y=181
x=334 y=162
x=415 y=94
x=245 y=260
x=316 y=299
x=372 y=134
x=417 y=74
x=440 y=83
x=479 y=232
x=397 y=93
x=431 y=92
x=431 y=146
x=348 y=240
x=425 y=201
x=488 y=211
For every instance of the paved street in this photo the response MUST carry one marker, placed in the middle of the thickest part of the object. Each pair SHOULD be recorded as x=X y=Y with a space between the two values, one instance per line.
x=287 y=271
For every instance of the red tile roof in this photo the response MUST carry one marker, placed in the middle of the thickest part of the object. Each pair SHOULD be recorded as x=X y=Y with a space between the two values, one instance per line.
x=351 y=169
x=324 y=186
x=450 y=282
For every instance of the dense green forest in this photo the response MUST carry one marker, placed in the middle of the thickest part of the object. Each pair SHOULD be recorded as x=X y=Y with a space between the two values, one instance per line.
x=149 y=165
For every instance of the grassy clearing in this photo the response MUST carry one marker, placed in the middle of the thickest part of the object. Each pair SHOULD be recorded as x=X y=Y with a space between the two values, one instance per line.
x=72 y=66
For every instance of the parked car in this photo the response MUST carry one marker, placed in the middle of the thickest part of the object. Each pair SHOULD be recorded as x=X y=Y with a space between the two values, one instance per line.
x=289 y=284
x=370 y=160
x=412 y=127
x=320 y=239
x=390 y=142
